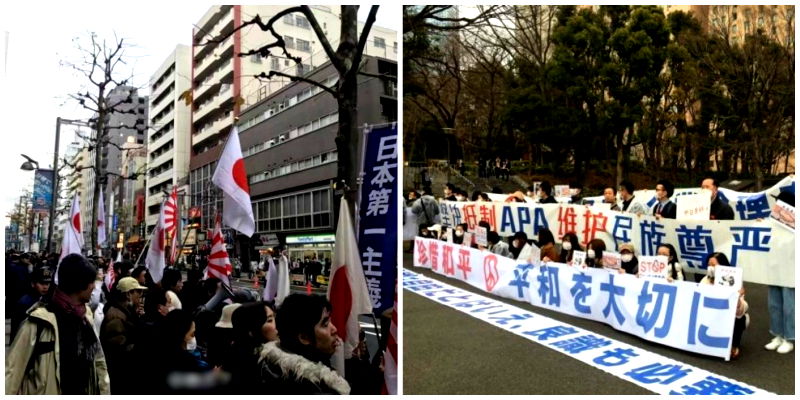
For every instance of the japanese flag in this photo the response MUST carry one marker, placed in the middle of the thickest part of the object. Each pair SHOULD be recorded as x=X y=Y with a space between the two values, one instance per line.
x=347 y=291
x=230 y=176
x=155 y=255
x=101 y=221
x=73 y=234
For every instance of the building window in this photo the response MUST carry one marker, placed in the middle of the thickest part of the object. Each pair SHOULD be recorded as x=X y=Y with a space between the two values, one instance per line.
x=303 y=45
x=299 y=211
x=303 y=69
x=302 y=22
x=289 y=42
x=288 y=19
x=275 y=64
x=395 y=47
x=256 y=58
x=380 y=43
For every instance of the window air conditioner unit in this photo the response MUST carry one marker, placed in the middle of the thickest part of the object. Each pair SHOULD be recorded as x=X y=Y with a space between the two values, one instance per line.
x=271 y=143
x=281 y=138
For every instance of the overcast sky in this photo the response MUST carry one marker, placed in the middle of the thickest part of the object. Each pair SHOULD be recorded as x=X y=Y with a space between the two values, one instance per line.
x=34 y=88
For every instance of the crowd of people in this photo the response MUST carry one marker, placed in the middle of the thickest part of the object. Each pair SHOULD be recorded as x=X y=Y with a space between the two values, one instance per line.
x=519 y=247
x=310 y=268
x=79 y=335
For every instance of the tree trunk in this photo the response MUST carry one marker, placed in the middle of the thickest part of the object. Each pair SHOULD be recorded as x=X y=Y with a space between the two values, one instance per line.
x=347 y=139
x=99 y=171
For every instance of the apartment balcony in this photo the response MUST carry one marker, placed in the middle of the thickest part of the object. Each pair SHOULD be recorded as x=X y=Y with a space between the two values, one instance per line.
x=154 y=144
x=160 y=178
x=216 y=127
x=213 y=79
x=168 y=100
x=208 y=20
x=161 y=159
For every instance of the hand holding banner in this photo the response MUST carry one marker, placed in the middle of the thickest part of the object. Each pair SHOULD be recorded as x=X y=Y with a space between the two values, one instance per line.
x=653 y=267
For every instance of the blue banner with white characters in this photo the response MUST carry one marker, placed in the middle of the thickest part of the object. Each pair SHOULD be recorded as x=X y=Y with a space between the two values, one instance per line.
x=637 y=365
x=377 y=225
x=43 y=190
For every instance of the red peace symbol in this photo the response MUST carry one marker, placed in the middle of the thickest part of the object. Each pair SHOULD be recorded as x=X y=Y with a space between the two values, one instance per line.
x=490 y=274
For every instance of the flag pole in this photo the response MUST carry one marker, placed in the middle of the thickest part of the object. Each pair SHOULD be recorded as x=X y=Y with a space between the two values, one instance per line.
x=142 y=252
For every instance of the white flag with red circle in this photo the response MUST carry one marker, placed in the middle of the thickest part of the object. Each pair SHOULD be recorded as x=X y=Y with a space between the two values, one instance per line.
x=219 y=264
x=155 y=262
x=347 y=291
x=231 y=177
x=73 y=232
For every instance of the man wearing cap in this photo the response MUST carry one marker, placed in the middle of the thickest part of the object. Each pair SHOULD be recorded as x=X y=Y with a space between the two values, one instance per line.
x=40 y=284
x=56 y=350
x=120 y=333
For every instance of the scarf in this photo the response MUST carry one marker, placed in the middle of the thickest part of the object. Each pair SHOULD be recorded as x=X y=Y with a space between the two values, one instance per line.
x=62 y=301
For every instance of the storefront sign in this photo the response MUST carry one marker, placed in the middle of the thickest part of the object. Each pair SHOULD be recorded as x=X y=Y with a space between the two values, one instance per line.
x=308 y=239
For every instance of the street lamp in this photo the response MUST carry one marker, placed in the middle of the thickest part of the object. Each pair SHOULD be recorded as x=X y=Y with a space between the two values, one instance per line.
x=28 y=165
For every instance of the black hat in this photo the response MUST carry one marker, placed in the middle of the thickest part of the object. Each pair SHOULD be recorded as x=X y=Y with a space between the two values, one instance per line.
x=42 y=275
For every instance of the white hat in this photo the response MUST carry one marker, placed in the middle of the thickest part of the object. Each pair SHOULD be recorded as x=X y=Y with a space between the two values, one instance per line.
x=225 y=318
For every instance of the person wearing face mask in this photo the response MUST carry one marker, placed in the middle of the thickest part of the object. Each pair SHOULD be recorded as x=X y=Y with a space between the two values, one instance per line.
x=569 y=244
x=458 y=234
x=460 y=195
x=119 y=334
x=719 y=209
x=180 y=356
x=742 y=317
x=594 y=253
x=630 y=264
x=520 y=249
x=664 y=208
x=675 y=271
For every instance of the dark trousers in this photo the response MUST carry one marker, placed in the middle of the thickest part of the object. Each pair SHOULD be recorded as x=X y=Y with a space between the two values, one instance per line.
x=738 y=329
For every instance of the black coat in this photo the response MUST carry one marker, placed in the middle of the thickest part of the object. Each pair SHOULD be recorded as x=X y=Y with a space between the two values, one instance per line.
x=721 y=210
x=670 y=210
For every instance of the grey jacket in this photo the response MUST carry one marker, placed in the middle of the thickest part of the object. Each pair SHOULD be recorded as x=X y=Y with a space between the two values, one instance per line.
x=426 y=208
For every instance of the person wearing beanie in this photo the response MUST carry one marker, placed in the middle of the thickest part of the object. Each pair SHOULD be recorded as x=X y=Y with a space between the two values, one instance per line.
x=56 y=350
x=630 y=264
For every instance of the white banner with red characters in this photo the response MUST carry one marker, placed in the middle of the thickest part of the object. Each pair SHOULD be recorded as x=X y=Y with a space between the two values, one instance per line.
x=762 y=249
x=684 y=315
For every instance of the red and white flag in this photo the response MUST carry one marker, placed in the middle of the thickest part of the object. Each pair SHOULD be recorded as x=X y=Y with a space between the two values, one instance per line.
x=155 y=255
x=171 y=215
x=73 y=233
x=101 y=221
x=347 y=291
x=219 y=265
x=390 y=354
x=111 y=277
x=231 y=177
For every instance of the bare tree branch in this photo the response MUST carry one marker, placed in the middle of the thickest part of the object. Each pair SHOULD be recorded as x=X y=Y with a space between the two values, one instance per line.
x=295 y=78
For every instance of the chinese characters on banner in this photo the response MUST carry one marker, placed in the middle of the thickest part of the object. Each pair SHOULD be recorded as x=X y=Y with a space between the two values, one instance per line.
x=378 y=216
x=764 y=251
x=684 y=315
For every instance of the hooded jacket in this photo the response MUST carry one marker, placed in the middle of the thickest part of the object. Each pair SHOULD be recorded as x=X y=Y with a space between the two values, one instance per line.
x=43 y=376
x=288 y=373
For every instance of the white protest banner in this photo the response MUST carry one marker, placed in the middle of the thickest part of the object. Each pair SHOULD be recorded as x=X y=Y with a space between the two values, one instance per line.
x=728 y=277
x=622 y=360
x=449 y=235
x=783 y=214
x=612 y=260
x=653 y=267
x=694 y=207
x=670 y=313
x=746 y=206
x=578 y=258
x=481 y=235
x=764 y=251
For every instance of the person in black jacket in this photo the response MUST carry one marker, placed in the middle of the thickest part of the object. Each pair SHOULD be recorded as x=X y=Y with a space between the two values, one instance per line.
x=665 y=208
x=719 y=209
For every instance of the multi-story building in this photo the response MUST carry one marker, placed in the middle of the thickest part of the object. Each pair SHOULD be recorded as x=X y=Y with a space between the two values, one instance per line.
x=123 y=214
x=291 y=157
x=169 y=131
x=118 y=125
x=223 y=83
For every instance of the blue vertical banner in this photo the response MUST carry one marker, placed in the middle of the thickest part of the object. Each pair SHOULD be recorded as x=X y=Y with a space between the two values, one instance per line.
x=43 y=190
x=377 y=226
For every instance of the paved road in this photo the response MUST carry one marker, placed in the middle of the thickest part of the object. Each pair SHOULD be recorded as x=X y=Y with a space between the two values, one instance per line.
x=448 y=352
